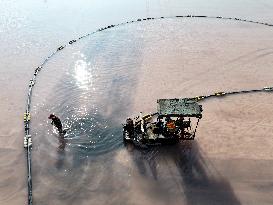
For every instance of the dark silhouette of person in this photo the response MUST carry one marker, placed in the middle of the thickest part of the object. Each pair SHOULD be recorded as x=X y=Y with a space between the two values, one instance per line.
x=180 y=125
x=170 y=125
x=180 y=122
x=159 y=126
x=129 y=127
x=56 y=122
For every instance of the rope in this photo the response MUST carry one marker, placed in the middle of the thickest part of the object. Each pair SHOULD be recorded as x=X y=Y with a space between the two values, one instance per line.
x=27 y=137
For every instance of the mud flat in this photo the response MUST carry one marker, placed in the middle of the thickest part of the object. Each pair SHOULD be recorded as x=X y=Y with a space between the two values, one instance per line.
x=229 y=163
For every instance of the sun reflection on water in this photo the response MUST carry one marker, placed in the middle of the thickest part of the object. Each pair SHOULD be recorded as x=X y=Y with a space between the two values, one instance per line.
x=83 y=75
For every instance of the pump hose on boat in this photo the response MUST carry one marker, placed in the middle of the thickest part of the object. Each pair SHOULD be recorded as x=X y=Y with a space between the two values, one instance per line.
x=27 y=116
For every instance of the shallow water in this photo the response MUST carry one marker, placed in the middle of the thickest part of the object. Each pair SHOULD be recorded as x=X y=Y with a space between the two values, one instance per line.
x=99 y=81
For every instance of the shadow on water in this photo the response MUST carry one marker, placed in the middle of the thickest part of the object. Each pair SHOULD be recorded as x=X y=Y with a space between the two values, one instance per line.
x=145 y=159
x=198 y=178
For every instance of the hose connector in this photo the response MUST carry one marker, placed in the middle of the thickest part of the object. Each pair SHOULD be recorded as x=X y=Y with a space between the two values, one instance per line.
x=268 y=89
x=27 y=117
x=27 y=141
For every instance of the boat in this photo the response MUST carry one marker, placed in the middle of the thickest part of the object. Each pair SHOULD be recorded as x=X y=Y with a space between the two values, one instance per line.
x=175 y=120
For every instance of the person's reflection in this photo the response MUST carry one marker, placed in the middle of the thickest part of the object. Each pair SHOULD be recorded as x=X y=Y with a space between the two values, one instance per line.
x=61 y=151
x=62 y=142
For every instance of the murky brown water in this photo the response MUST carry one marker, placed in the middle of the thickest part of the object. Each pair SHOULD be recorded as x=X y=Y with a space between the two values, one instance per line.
x=95 y=84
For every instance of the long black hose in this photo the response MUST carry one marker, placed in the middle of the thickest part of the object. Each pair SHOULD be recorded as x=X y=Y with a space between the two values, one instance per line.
x=27 y=137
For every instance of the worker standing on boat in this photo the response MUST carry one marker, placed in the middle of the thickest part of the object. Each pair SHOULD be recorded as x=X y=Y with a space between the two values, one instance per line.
x=180 y=122
x=180 y=125
x=129 y=127
x=56 y=122
x=170 y=125
x=160 y=126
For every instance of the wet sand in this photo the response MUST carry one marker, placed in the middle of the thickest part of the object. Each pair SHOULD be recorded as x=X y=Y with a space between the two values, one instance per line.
x=231 y=161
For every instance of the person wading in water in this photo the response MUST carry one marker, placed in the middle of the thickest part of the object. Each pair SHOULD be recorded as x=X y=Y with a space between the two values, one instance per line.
x=56 y=122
